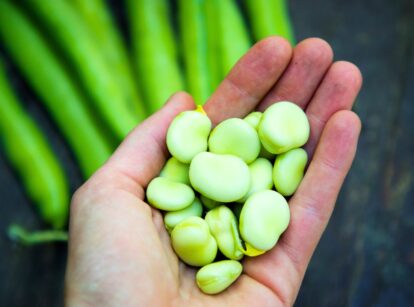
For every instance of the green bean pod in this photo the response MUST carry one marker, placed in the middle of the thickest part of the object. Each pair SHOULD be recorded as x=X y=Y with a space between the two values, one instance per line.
x=100 y=22
x=71 y=34
x=213 y=44
x=47 y=76
x=32 y=158
x=195 y=46
x=233 y=34
x=154 y=50
x=20 y=235
x=270 y=18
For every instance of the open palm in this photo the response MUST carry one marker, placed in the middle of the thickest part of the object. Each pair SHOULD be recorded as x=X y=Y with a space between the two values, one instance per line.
x=119 y=252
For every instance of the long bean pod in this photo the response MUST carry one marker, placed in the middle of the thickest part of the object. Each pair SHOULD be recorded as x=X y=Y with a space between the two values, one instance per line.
x=71 y=33
x=234 y=37
x=31 y=156
x=195 y=43
x=99 y=20
x=270 y=18
x=154 y=50
x=48 y=77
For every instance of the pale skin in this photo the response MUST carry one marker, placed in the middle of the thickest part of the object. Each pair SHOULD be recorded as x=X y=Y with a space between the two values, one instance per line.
x=119 y=251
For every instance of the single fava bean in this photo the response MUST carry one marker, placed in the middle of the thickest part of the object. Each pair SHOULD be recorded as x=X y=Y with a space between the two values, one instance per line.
x=209 y=203
x=173 y=218
x=260 y=177
x=236 y=137
x=223 y=226
x=253 y=119
x=288 y=170
x=264 y=217
x=193 y=243
x=218 y=276
x=284 y=126
x=223 y=178
x=188 y=134
x=176 y=171
x=165 y=194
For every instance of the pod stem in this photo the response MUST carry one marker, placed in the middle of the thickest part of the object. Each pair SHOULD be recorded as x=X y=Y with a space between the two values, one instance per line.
x=20 y=235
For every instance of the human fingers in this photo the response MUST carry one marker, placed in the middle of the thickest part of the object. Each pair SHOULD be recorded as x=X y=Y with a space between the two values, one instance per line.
x=310 y=61
x=250 y=79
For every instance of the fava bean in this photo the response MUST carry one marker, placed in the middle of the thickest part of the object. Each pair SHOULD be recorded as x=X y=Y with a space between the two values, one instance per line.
x=223 y=178
x=224 y=228
x=193 y=242
x=165 y=194
x=209 y=203
x=218 y=276
x=264 y=217
x=260 y=177
x=253 y=119
x=284 y=126
x=288 y=170
x=176 y=171
x=188 y=134
x=173 y=218
x=236 y=137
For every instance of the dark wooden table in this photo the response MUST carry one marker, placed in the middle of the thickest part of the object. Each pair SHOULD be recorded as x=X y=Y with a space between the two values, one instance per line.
x=366 y=256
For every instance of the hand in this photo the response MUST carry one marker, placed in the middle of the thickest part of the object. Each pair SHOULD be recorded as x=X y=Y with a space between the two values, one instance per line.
x=119 y=251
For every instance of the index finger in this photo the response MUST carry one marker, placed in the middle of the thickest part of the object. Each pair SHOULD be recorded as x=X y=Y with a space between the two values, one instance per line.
x=250 y=79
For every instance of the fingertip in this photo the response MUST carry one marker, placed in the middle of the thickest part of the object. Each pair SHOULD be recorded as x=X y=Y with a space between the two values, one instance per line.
x=278 y=48
x=348 y=73
x=346 y=120
x=315 y=50
x=340 y=138
x=181 y=99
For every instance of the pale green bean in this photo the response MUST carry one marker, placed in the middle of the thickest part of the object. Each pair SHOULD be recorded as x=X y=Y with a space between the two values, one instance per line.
x=253 y=119
x=224 y=228
x=288 y=170
x=188 y=134
x=218 y=276
x=264 y=217
x=224 y=178
x=173 y=218
x=209 y=203
x=260 y=177
x=235 y=136
x=165 y=194
x=193 y=242
x=284 y=126
x=176 y=171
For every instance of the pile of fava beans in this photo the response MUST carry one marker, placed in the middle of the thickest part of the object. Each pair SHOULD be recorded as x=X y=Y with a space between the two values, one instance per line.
x=223 y=190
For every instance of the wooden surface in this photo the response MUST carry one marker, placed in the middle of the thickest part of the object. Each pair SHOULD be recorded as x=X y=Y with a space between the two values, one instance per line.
x=366 y=256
